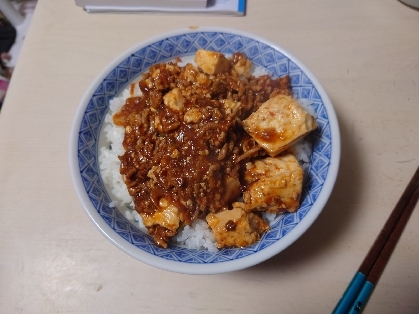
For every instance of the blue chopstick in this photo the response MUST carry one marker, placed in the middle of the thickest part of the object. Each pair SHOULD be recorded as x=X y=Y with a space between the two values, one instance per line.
x=356 y=295
x=350 y=294
x=362 y=298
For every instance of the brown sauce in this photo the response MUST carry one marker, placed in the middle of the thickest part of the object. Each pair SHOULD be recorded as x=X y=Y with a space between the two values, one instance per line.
x=189 y=163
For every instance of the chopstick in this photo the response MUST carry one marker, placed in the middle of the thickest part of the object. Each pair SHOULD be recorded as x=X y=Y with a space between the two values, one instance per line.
x=360 y=288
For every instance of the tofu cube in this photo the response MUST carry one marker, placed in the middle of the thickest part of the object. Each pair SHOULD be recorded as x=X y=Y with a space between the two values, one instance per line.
x=278 y=123
x=212 y=62
x=243 y=66
x=167 y=215
x=274 y=184
x=236 y=227
x=193 y=115
x=163 y=223
x=174 y=100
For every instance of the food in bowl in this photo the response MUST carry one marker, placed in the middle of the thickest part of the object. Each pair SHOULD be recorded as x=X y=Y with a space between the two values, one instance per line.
x=210 y=148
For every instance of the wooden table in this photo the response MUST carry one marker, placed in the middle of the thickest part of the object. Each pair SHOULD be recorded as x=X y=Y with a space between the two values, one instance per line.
x=366 y=55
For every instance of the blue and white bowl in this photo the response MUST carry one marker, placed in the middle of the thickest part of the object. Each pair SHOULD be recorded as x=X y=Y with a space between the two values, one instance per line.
x=89 y=120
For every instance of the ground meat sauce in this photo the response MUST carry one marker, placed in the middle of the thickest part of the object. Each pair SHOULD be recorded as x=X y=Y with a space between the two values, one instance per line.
x=191 y=154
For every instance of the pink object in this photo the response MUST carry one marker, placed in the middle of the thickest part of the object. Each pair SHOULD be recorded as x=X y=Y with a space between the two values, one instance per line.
x=3 y=88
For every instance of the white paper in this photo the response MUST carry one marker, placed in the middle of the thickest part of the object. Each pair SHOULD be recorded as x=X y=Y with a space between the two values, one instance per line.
x=229 y=7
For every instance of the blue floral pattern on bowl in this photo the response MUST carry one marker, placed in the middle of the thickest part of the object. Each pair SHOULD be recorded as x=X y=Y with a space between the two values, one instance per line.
x=261 y=54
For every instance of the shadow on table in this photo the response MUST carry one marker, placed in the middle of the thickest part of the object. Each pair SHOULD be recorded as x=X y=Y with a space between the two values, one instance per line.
x=337 y=214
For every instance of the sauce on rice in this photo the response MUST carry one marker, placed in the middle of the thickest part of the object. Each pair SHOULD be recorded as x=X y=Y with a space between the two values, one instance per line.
x=185 y=147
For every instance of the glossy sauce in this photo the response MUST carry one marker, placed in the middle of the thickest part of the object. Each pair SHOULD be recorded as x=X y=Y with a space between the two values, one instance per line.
x=188 y=164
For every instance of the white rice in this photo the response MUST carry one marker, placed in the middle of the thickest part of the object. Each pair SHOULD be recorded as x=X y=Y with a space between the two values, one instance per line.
x=109 y=162
x=306 y=104
x=198 y=235
x=259 y=71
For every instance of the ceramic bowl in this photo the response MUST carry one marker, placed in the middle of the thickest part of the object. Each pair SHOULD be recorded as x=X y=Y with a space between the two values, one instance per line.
x=96 y=198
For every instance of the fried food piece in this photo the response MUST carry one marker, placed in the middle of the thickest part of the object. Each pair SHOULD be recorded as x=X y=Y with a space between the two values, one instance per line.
x=212 y=62
x=274 y=184
x=236 y=227
x=279 y=123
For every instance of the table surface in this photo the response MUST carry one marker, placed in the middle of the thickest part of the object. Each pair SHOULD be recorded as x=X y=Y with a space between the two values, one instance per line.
x=53 y=259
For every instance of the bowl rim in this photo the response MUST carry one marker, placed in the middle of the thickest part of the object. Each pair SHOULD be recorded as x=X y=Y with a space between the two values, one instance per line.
x=210 y=268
